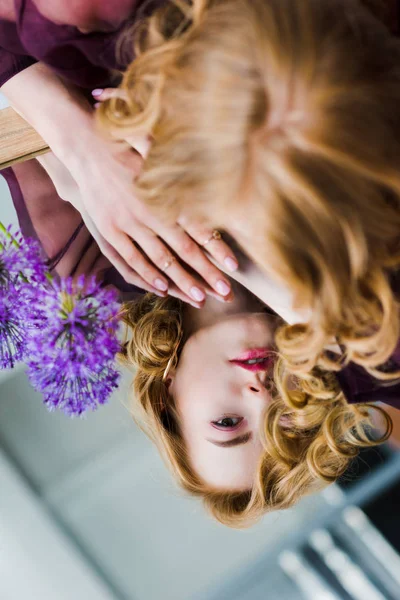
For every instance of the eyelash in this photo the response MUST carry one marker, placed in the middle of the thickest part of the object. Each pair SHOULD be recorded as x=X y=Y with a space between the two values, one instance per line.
x=217 y=424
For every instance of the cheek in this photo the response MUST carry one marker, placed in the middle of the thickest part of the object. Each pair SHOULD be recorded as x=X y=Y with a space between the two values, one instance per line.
x=194 y=401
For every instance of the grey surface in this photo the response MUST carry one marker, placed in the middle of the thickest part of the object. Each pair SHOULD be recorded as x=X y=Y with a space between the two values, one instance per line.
x=8 y=215
x=48 y=446
x=38 y=561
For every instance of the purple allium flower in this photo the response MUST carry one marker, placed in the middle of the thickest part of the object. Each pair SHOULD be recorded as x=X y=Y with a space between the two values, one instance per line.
x=21 y=260
x=71 y=356
x=21 y=266
x=14 y=325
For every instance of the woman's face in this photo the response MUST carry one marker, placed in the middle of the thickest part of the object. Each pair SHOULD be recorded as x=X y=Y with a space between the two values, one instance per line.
x=220 y=391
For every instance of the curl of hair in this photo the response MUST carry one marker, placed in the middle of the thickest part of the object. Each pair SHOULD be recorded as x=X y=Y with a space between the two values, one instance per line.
x=305 y=447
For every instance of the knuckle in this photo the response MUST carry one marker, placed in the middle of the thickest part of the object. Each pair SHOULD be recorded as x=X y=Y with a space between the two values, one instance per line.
x=147 y=274
x=188 y=247
x=132 y=257
x=105 y=228
x=161 y=258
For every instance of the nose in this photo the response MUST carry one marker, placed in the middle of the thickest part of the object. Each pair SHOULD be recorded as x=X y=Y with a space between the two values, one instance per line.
x=254 y=388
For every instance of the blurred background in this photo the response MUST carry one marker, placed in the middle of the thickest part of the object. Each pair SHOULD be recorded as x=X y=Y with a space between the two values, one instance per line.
x=88 y=512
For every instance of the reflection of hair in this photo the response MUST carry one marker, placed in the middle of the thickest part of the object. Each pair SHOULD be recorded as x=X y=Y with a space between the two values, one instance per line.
x=292 y=106
x=304 y=448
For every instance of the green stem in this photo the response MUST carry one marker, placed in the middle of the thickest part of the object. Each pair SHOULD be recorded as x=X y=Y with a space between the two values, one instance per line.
x=7 y=234
x=4 y=230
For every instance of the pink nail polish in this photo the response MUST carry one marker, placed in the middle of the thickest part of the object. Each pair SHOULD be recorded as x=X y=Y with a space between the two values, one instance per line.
x=97 y=104
x=231 y=263
x=97 y=92
x=197 y=294
x=223 y=288
x=161 y=285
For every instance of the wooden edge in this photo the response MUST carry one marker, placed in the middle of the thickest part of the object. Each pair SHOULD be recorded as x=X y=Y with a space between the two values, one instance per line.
x=18 y=140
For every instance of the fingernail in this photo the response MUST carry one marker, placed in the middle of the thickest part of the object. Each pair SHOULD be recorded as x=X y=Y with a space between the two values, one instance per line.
x=195 y=305
x=161 y=285
x=197 y=294
x=231 y=263
x=97 y=92
x=222 y=287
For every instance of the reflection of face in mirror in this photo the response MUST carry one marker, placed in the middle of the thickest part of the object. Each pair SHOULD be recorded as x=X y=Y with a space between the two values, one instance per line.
x=234 y=426
x=220 y=391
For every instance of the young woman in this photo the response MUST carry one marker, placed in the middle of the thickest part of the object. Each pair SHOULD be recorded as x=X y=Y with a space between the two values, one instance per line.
x=278 y=121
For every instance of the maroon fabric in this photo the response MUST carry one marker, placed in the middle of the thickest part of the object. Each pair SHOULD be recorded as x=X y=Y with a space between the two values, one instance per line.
x=359 y=386
x=87 y=60
x=13 y=57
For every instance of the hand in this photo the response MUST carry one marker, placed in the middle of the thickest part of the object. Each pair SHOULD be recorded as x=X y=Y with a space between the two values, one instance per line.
x=68 y=189
x=181 y=237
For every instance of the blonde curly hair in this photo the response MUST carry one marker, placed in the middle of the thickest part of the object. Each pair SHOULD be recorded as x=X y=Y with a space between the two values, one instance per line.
x=305 y=447
x=288 y=110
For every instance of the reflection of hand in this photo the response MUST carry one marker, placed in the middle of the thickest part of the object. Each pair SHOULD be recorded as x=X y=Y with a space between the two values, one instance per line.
x=273 y=294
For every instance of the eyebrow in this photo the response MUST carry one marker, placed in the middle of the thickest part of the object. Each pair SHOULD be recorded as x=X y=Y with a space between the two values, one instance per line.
x=242 y=439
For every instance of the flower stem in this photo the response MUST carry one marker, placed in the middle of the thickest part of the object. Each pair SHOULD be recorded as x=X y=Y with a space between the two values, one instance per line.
x=4 y=230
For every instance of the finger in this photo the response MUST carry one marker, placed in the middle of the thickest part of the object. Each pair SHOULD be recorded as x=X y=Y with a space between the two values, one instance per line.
x=205 y=237
x=177 y=293
x=129 y=275
x=103 y=94
x=189 y=252
x=141 y=143
x=184 y=281
x=167 y=263
x=136 y=260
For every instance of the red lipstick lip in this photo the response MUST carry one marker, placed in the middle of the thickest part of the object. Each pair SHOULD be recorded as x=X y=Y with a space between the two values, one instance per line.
x=252 y=354
x=261 y=354
x=257 y=367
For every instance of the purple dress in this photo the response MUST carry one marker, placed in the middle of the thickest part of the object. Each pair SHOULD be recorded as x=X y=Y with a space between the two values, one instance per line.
x=89 y=61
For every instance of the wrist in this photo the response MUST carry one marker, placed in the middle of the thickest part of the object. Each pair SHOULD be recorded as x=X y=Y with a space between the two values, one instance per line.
x=73 y=145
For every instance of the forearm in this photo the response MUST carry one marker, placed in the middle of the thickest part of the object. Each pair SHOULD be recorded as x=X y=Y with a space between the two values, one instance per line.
x=56 y=110
x=279 y=298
